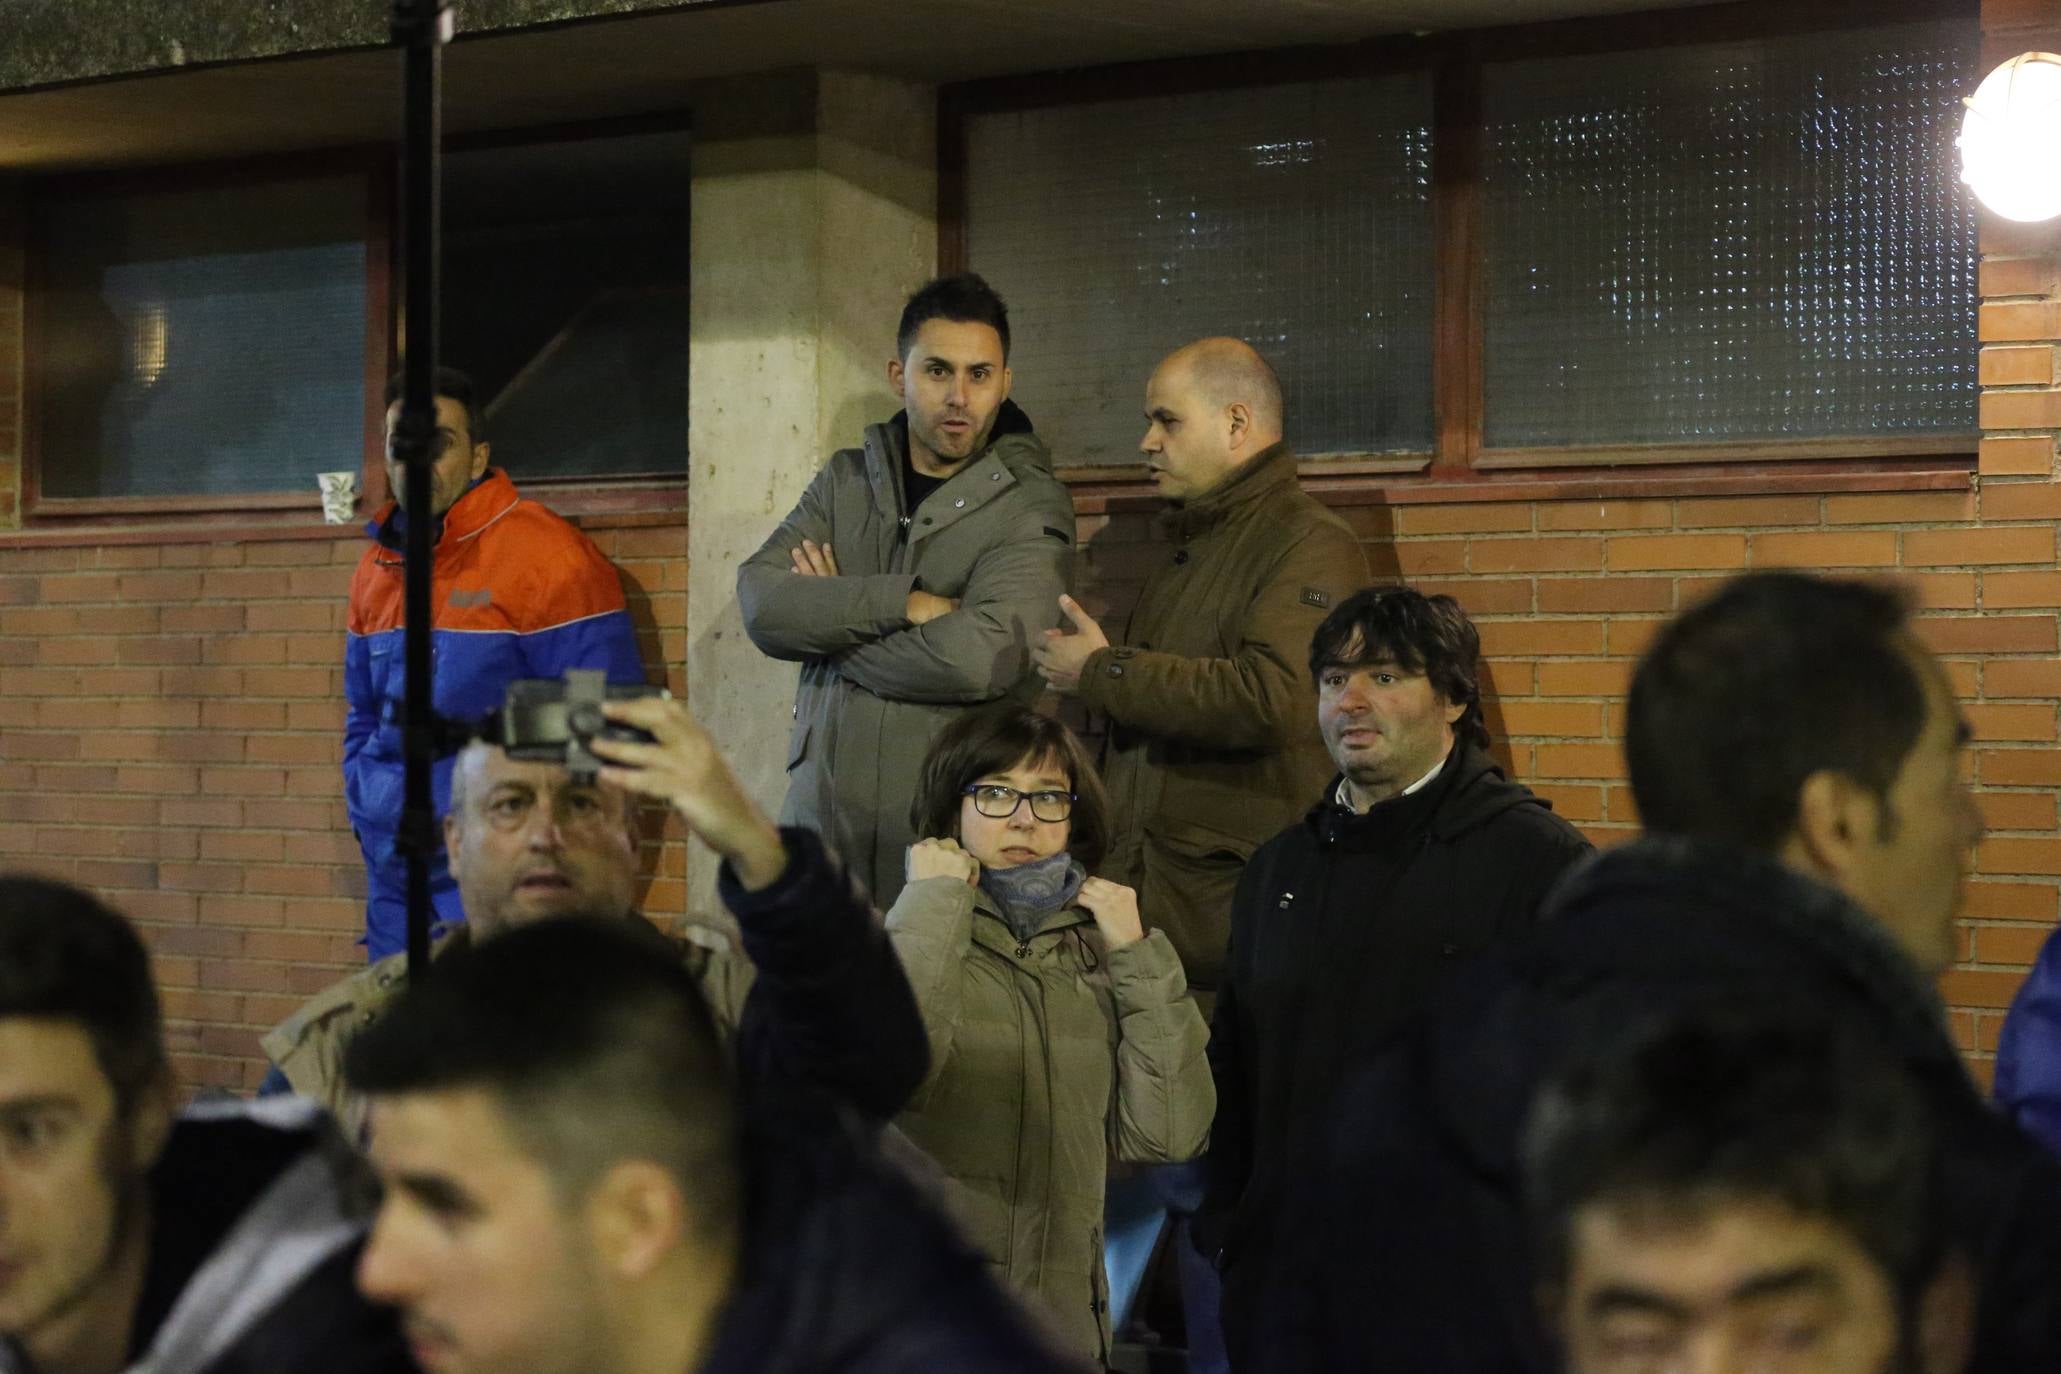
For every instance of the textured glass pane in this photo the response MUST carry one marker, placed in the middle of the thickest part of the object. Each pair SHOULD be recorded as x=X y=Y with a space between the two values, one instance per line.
x=1740 y=242
x=200 y=342
x=583 y=369
x=1296 y=217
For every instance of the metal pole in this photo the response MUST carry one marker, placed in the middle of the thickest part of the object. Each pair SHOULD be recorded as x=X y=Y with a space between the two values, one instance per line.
x=421 y=28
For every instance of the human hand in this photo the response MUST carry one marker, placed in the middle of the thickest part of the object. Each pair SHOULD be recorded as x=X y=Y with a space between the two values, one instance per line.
x=686 y=771
x=941 y=859
x=925 y=607
x=1061 y=657
x=813 y=559
x=1115 y=909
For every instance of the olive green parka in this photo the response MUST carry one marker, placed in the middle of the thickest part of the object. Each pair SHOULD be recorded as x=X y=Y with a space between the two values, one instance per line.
x=1048 y=1057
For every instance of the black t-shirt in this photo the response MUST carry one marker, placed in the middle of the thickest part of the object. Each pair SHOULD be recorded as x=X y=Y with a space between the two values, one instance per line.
x=916 y=486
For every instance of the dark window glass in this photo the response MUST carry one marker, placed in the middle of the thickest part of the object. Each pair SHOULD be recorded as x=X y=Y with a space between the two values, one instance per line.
x=1295 y=216
x=565 y=296
x=201 y=341
x=1746 y=242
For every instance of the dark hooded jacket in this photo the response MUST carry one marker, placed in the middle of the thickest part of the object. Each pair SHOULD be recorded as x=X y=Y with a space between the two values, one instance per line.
x=257 y=1216
x=1426 y=1137
x=847 y=1268
x=1343 y=926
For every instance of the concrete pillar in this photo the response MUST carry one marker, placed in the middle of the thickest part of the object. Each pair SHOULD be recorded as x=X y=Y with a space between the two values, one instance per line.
x=814 y=217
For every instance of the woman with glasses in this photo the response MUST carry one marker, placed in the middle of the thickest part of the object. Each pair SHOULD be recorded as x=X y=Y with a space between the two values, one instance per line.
x=1061 y=1033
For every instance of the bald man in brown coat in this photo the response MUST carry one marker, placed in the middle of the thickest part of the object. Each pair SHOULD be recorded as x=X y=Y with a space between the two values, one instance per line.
x=1213 y=745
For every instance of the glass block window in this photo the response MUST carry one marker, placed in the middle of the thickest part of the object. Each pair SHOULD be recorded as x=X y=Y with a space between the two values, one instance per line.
x=1296 y=217
x=201 y=342
x=565 y=298
x=1749 y=242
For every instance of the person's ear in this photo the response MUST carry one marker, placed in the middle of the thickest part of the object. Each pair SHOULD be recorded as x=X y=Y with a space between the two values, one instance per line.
x=1237 y=425
x=1454 y=710
x=1008 y=380
x=482 y=454
x=637 y=1217
x=1945 y=1337
x=150 y=1121
x=895 y=374
x=1836 y=819
x=452 y=828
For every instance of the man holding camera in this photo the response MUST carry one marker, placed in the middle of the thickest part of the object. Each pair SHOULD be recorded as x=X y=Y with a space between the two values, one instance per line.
x=530 y=840
x=517 y=593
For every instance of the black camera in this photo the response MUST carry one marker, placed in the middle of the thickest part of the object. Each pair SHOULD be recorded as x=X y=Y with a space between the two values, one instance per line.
x=550 y=720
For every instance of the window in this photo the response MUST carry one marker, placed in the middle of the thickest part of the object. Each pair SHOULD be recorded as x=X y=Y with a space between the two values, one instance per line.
x=1692 y=237
x=1721 y=243
x=208 y=339
x=1296 y=216
x=565 y=297
x=199 y=341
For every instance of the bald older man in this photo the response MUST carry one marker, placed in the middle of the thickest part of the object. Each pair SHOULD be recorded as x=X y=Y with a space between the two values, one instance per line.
x=1213 y=745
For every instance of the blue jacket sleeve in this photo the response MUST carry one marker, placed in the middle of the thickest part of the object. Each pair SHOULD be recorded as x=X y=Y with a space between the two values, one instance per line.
x=831 y=1008
x=2028 y=1085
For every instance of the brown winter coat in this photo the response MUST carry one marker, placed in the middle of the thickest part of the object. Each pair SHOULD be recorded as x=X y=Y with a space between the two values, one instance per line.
x=875 y=689
x=1213 y=745
x=1048 y=1057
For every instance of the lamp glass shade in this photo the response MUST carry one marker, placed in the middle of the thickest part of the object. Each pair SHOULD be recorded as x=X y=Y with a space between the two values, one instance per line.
x=2011 y=138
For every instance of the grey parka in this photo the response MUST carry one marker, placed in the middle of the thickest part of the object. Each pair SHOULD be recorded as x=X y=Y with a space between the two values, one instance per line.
x=875 y=689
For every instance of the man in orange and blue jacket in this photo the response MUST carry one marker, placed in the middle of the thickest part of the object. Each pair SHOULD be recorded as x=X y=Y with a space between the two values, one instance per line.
x=517 y=592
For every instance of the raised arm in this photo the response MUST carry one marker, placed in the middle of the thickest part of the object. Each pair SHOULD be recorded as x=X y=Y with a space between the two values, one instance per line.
x=790 y=616
x=829 y=1006
x=931 y=924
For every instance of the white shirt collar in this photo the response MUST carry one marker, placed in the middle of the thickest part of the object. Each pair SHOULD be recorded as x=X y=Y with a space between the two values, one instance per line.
x=1343 y=795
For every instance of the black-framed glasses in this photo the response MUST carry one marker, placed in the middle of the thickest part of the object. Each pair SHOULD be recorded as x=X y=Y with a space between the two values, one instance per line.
x=999 y=803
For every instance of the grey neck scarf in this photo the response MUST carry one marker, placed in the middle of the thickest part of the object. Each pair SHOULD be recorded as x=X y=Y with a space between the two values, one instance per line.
x=1029 y=893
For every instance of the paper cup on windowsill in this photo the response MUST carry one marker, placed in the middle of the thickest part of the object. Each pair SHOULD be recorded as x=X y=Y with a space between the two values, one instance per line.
x=339 y=496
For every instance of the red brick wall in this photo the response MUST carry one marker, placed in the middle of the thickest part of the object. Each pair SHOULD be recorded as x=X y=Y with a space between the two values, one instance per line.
x=171 y=718
x=1567 y=593
x=170 y=712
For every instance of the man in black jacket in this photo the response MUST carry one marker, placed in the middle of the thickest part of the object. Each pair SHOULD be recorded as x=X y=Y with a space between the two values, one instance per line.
x=1795 y=753
x=217 y=1241
x=592 y=1192
x=1419 y=854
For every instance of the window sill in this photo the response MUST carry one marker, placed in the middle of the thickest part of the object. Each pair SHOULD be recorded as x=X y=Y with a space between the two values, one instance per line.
x=1097 y=497
x=591 y=508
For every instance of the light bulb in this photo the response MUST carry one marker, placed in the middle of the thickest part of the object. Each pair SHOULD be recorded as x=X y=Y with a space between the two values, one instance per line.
x=2011 y=138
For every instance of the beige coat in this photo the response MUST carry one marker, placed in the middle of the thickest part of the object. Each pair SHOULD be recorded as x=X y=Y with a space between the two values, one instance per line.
x=308 y=1046
x=1049 y=1057
x=1213 y=746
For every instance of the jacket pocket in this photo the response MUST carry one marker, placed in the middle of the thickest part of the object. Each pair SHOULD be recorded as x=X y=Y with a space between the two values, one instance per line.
x=1190 y=877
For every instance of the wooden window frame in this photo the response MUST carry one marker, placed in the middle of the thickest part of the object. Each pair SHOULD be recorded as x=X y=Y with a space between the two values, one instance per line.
x=268 y=510
x=271 y=515
x=1458 y=467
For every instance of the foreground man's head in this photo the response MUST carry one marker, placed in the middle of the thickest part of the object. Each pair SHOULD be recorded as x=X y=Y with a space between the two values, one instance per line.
x=85 y=1109
x=1799 y=717
x=528 y=841
x=1738 y=1190
x=555 y=1129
